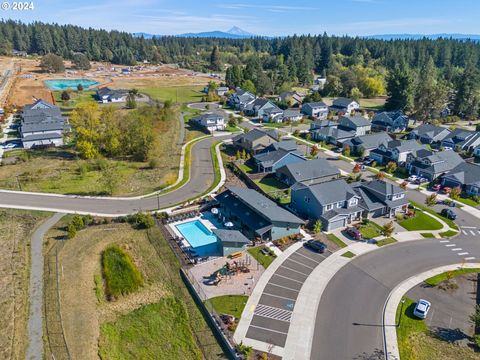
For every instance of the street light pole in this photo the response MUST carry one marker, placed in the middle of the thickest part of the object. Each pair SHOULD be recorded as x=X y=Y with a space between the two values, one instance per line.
x=401 y=312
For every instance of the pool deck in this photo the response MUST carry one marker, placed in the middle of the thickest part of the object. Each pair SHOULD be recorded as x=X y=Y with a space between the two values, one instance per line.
x=207 y=223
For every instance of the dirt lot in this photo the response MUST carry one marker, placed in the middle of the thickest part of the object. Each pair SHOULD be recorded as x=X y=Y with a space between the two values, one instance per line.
x=15 y=230
x=80 y=261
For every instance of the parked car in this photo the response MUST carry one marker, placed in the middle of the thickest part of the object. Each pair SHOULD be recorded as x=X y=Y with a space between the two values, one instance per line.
x=449 y=214
x=446 y=190
x=354 y=233
x=436 y=187
x=412 y=178
x=316 y=246
x=421 y=309
x=422 y=180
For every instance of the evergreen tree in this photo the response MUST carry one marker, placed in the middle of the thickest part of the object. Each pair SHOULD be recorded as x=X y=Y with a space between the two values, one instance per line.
x=467 y=100
x=215 y=61
x=81 y=62
x=52 y=63
x=400 y=88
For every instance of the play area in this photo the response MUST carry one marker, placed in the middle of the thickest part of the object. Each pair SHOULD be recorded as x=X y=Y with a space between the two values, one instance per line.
x=234 y=275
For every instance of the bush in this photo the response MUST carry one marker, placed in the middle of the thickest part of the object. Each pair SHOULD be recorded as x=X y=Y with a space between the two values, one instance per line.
x=71 y=231
x=121 y=275
x=141 y=220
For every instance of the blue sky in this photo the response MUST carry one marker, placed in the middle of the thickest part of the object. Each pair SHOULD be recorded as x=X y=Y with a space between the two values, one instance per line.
x=267 y=17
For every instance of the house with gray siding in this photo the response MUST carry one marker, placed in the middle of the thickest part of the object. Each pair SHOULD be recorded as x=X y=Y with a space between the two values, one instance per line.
x=332 y=135
x=240 y=98
x=390 y=121
x=461 y=140
x=257 y=107
x=466 y=176
x=210 y=121
x=345 y=106
x=256 y=216
x=307 y=172
x=356 y=123
x=317 y=110
x=396 y=151
x=366 y=143
x=429 y=134
x=255 y=140
x=270 y=161
x=431 y=165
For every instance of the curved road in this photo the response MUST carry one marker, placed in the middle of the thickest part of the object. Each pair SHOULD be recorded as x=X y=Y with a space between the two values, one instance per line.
x=202 y=176
x=348 y=324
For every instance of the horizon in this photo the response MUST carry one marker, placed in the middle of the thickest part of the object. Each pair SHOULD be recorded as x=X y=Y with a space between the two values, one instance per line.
x=158 y=17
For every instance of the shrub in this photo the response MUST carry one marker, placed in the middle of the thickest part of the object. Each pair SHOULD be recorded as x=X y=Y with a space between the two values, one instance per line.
x=71 y=231
x=121 y=275
x=141 y=220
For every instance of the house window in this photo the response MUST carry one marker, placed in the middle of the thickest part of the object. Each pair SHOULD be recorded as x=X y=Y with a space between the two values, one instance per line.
x=307 y=199
x=329 y=207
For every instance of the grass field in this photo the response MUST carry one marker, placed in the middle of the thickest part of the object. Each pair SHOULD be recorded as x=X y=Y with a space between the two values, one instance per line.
x=415 y=342
x=420 y=221
x=370 y=230
x=228 y=304
x=16 y=228
x=76 y=98
x=121 y=274
x=264 y=260
x=156 y=331
x=176 y=94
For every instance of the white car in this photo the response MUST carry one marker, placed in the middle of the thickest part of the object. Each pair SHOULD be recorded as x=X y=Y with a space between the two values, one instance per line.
x=421 y=309
x=412 y=178
x=10 y=146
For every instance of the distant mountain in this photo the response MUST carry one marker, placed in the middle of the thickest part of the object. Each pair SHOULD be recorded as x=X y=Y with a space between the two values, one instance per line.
x=421 y=36
x=234 y=33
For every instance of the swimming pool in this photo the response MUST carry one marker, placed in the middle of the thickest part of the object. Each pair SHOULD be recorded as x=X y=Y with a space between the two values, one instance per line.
x=202 y=241
x=64 y=84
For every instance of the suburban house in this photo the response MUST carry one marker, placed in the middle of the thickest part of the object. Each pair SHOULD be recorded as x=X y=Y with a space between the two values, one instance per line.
x=366 y=143
x=231 y=241
x=307 y=172
x=106 y=95
x=432 y=165
x=240 y=98
x=356 y=123
x=287 y=145
x=256 y=216
x=291 y=115
x=210 y=121
x=429 y=134
x=338 y=204
x=396 y=151
x=273 y=115
x=255 y=140
x=292 y=98
x=391 y=121
x=221 y=90
x=42 y=124
x=332 y=135
x=270 y=161
x=258 y=107
x=317 y=110
x=461 y=140
x=319 y=124
x=466 y=175
x=344 y=105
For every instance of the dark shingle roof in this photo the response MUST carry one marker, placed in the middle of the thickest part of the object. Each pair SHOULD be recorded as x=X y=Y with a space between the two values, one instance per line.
x=329 y=192
x=256 y=134
x=310 y=170
x=36 y=137
x=231 y=236
x=342 y=102
x=465 y=173
x=271 y=157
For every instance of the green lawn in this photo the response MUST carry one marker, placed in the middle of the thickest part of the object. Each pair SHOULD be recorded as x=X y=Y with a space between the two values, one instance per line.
x=121 y=274
x=420 y=221
x=371 y=105
x=449 y=222
x=247 y=169
x=409 y=326
x=228 y=304
x=386 y=241
x=271 y=184
x=427 y=235
x=156 y=331
x=76 y=98
x=264 y=260
x=434 y=280
x=180 y=94
x=348 y=254
x=448 y=233
x=467 y=201
x=333 y=238
x=370 y=230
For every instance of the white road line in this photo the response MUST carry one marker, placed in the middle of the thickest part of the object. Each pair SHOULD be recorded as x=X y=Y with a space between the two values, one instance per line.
x=278 y=296
x=286 y=267
x=275 y=331
x=463 y=253
x=444 y=241
x=464 y=232
x=457 y=249
x=468 y=227
x=478 y=232
x=470 y=258
x=309 y=258
x=299 y=263
x=283 y=287
x=472 y=232
x=286 y=277
x=450 y=245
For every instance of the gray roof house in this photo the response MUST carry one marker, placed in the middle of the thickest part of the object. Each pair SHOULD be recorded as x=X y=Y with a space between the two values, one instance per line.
x=466 y=175
x=293 y=97
x=396 y=151
x=307 y=172
x=460 y=139
x=357 y=123
x=429 y=134
x=256 y=216
x=367 y=142
x=106 y=95
x=270 y=161
x=287 y=145
x=292 y=115
x=431 y=165
x=257 y=107
x=210 y=121
x=338 y=204
x=318 y=110
x=255 y=140
x=391 y=121
x=240 y=98
x=231 y=240
x=344 y=105
x=273 y=114
x=318 y=124
x=332 y=135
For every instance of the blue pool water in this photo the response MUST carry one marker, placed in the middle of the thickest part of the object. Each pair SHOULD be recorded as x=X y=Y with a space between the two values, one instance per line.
x=64 y=84
x=201 y=240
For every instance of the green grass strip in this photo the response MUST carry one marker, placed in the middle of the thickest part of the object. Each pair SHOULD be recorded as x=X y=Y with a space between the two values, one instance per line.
x=387 y=241
x=348 y=254
x=333 y=238
x=435 y=280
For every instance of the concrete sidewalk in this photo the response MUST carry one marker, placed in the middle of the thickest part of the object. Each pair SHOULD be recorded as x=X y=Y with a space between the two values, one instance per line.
x=393 y=300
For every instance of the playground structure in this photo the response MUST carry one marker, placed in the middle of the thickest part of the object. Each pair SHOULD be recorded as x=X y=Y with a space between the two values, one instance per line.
x=228 y=270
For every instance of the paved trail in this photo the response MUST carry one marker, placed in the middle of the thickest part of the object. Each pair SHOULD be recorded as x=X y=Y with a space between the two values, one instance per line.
x=35 y=321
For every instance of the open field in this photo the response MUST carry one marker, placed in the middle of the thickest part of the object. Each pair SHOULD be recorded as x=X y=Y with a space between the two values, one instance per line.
x=229 y=304
x=141 y=322
x=16 y=228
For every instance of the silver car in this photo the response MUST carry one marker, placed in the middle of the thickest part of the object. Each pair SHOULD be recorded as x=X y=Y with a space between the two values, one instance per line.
x=421 y=309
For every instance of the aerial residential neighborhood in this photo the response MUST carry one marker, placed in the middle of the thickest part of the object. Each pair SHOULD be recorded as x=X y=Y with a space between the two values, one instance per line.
x=306 y=189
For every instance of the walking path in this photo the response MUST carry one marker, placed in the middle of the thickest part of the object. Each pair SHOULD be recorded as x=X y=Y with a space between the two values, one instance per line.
x=5 y=135
x=35 y=321
x=390 y=310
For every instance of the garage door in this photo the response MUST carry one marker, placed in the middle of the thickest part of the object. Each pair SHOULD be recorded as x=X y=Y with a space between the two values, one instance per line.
x=336 y=224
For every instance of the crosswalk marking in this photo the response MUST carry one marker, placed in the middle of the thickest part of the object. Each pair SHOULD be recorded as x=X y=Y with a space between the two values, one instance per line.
x=457 y=249
x=463 y=253
x=450 y=245
x=444 y=241
x=273 y=313
x=472 y=232
x=470 y=258
x=464 y=232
